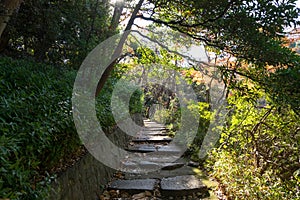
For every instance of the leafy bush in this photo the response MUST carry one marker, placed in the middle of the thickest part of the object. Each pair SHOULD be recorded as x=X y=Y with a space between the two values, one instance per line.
x=35 y=123
x=60 y=32
x=122 y=93
x=202 y=110
x=259 y=153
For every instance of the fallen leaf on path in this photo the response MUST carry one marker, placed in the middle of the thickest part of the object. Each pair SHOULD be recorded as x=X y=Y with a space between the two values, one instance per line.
x=139 y=196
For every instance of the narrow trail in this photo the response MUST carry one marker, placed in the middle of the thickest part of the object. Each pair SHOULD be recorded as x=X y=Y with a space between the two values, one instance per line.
x=155 y=174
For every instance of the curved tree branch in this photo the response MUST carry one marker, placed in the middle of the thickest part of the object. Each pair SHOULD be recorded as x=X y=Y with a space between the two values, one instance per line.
x=194 y=25
x=119 y=48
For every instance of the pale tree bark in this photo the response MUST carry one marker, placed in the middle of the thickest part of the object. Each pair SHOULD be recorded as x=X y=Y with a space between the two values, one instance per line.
x=119 y=6
x=8 y=6
x=119 y=48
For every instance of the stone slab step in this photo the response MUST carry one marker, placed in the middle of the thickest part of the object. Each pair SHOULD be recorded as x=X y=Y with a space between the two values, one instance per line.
x=153 y=139
x=157 y=157
x=147 y=122
x=185 y=170
x=147 y=148
x=133 y=186
x=182 y=185
x=158 y=126
x=172 y=166
x=152 y=133
x=140 y=168
x=144 y=164
x=153 y=125
x=154 y=129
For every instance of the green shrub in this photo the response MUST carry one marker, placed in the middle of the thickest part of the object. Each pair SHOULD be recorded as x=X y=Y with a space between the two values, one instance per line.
x=36 y=125
x=104 y=99
x=259 y=153
x=201 y=110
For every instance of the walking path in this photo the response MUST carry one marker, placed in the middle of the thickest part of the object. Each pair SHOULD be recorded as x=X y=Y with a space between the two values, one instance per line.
x=164 y=177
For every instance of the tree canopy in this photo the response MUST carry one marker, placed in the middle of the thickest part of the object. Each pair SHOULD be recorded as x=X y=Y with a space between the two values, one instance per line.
x=251 y=31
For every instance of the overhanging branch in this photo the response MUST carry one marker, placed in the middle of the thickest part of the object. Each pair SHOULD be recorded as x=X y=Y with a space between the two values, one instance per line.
x=169 y=50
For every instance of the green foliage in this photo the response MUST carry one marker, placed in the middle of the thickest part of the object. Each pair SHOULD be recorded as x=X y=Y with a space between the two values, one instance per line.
x=135 y=103
x=242 y=27
x=259 y=153
x=201 y=110
x=103 y=105
x=284 y=87
x=250 y=31
x=35 y=123
x=243 y=181
x=169 y=116
x=60 y=32
x=104 y=99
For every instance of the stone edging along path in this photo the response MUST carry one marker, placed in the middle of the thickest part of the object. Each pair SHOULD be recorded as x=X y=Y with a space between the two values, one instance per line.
x=172 y=180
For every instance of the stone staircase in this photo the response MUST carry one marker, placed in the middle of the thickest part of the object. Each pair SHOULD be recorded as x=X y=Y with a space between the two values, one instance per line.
x=155 y=173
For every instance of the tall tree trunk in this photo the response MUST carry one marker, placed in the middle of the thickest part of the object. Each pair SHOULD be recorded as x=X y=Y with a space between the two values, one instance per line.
x=119 y=6
x=4 y=40
x=9 y=6
x=119 y=48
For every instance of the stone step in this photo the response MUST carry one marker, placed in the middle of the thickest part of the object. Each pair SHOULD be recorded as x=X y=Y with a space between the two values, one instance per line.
x=185 y=170
x=153 y=139
x=154 y=129
x=144 y=164
x=152 y=133
x=183 y=185
x=149 y=124
x=147 y=148
x=157 y=157
x=158 y=126
x=133 y=186
x=172 y=166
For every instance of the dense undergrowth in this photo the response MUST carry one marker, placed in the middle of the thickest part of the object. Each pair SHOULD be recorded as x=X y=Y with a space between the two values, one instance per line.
x=258 y=156
x=36 y=125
